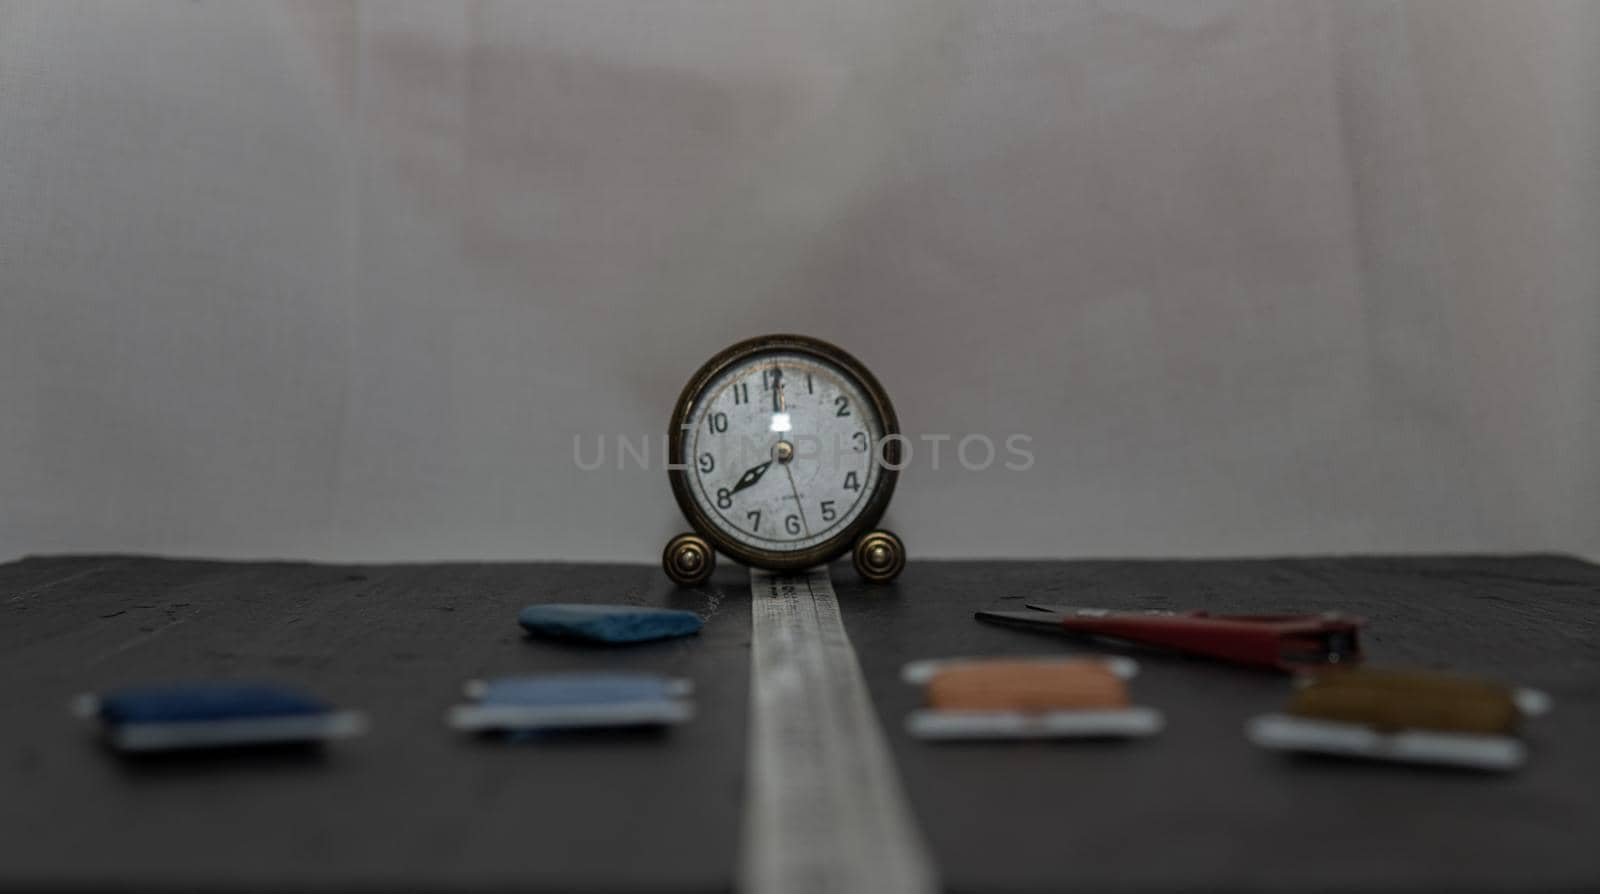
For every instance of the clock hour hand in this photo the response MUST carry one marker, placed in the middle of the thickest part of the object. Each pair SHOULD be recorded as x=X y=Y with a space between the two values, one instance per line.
x=751 y=476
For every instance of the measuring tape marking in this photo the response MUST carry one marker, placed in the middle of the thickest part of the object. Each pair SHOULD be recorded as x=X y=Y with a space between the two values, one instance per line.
x=824 y=808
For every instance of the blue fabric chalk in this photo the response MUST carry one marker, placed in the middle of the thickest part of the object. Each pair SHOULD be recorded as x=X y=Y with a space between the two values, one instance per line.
x=608 y=623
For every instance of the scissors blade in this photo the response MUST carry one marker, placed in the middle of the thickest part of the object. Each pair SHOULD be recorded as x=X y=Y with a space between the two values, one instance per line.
x=1078 y=611
x=1021 y=619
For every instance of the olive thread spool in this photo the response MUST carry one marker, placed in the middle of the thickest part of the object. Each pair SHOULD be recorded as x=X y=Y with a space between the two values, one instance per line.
x=1388 y=701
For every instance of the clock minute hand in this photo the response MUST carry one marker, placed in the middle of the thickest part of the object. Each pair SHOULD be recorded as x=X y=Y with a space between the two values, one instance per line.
x=795 y=489
x=751 y=476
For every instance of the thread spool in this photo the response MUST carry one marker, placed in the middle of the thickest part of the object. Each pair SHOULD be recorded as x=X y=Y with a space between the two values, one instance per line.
x=1027 y=686
x=1000 y=699
x=1388 y=700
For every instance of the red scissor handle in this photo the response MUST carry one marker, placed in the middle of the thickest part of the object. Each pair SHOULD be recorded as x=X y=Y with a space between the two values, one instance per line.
x=1287 y=642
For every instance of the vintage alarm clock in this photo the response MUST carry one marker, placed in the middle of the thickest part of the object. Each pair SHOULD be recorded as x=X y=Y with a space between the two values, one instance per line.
x=783 y=453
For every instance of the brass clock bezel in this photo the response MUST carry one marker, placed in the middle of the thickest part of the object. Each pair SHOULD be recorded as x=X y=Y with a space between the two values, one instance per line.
x=889 y=451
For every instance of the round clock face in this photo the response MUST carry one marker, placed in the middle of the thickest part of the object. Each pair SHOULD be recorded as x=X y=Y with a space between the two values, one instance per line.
x=779 y=454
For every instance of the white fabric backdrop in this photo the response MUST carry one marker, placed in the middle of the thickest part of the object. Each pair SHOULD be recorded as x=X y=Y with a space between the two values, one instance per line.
x=344 y=279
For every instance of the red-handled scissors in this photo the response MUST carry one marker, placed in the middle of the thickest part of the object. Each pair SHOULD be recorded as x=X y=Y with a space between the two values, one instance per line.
x=1285 y=642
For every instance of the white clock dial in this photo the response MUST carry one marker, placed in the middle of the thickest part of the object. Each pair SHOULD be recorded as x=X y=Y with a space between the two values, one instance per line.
x=780 y=451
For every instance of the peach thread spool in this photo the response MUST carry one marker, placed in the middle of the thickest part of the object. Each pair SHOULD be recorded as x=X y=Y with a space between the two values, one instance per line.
x=1027 y=698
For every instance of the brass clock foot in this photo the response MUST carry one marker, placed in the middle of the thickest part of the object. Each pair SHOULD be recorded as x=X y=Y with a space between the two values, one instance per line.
x=688 y=560
x=879 y=556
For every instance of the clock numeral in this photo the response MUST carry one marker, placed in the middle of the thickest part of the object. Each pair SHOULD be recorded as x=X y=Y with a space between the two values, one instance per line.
x=741 y=392
x=843 y=403
x=724 y=498
x=851 y=482
x=718 y=422
x=707 y=463
x=828 y=513
x=791 y=523
x=755 y=519
x=860 y=439
x=809 y=389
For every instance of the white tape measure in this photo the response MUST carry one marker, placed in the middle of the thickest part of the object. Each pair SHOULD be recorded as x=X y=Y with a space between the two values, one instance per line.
x=824 y=808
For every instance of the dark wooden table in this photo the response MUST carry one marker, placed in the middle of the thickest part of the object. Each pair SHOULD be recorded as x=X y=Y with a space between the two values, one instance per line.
x=415 y=806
